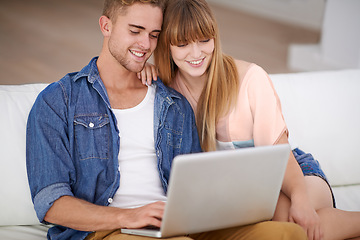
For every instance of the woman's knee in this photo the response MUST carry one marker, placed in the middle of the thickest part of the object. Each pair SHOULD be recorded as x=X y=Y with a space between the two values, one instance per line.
x=319 y=192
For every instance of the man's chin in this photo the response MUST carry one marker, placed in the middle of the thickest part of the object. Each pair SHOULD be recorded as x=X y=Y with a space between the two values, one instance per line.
x=135 y=67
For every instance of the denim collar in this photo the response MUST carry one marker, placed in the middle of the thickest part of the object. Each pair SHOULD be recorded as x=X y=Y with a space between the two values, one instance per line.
x=91 y=73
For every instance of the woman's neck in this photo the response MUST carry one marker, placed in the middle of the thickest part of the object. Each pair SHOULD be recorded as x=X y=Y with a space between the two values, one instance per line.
x=195 y=85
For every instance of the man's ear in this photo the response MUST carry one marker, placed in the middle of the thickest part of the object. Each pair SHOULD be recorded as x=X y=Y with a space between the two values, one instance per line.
x=105 y=26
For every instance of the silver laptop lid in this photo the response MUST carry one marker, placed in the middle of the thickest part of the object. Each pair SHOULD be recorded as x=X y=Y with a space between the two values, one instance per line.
x=222 y=189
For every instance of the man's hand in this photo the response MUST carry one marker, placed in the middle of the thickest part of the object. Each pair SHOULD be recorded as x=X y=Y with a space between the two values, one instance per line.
x=148 y=215
x=84 y=216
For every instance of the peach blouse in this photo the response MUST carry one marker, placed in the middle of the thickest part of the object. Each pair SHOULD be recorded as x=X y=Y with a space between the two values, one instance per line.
x=256 y=119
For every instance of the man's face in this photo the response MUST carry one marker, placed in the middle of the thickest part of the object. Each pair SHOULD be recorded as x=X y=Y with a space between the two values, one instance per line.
x=134 y=35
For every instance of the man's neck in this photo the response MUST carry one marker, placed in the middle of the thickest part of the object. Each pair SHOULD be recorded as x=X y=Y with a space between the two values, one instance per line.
x=114 y=75
x=123 y=87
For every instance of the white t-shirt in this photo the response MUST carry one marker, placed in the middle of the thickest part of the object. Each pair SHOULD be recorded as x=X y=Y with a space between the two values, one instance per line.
x=139 y=176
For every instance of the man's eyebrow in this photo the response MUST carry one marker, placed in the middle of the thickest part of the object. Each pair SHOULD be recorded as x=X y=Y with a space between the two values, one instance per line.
x=137 y=26
x=142 y=28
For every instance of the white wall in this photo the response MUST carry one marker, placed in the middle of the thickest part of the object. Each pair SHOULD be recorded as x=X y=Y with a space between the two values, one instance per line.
x=340 y=40
x=306 y=13
x=338 y=21
x=341 y=33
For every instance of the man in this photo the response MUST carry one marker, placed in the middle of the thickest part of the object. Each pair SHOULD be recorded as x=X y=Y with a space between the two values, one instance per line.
x=100 y=144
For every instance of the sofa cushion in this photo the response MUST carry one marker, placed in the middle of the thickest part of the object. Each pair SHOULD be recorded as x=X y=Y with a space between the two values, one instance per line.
x=347 y=197
x=15 y=201
x=322 y=113
x=34 y=232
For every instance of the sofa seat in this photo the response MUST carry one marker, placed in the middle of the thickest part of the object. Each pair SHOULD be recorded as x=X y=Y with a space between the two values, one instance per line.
x=31 y=232
x=347 y=197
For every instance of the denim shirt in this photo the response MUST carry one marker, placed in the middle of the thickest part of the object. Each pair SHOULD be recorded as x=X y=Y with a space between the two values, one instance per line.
x=73 y=142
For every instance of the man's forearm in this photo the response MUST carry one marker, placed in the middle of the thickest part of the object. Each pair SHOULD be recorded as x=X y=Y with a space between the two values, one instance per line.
x=83 y=216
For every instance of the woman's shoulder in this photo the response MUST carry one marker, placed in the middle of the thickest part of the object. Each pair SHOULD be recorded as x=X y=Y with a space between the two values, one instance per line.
x=249 y=72
x=244 y=67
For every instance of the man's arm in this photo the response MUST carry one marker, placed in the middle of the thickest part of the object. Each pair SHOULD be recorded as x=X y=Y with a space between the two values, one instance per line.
x=81 y=215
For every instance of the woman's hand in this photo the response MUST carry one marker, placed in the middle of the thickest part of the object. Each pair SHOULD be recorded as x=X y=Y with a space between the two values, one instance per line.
x=149 y=73
x=305 y=215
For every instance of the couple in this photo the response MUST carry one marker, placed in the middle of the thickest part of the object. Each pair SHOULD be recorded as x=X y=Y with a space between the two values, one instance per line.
x=94 y=164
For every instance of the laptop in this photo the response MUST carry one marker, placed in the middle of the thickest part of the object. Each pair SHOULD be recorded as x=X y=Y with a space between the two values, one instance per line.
x=221 y=189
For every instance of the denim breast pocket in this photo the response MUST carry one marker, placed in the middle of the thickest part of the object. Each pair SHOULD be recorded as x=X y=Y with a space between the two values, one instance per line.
x=92 y=136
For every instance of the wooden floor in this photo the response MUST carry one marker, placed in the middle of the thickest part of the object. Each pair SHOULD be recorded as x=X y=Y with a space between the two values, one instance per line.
x=42 y=40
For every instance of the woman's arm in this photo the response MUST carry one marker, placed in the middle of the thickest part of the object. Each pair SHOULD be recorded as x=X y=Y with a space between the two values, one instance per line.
x=301 y=210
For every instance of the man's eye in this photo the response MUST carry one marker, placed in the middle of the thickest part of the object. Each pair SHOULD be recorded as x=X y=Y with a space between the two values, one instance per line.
x=134 y=32
x=154 y=36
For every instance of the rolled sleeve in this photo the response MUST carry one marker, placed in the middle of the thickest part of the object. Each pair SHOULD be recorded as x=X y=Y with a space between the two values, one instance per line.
x=49 y=165
x=47 y=196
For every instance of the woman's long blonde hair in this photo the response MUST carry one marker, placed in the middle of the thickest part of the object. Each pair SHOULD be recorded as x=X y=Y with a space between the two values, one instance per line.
x=187 y=21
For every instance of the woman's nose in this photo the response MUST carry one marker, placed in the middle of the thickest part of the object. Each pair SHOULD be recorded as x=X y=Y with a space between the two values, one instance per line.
x=195 y=50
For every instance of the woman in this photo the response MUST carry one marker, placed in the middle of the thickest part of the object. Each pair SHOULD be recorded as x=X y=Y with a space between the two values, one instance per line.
x=236 y=106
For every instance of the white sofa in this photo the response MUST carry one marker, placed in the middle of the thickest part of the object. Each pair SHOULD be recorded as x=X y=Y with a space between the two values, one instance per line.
x=320 y=108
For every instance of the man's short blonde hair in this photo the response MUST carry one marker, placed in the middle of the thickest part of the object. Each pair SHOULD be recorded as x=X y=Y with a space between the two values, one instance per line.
x=114 y=7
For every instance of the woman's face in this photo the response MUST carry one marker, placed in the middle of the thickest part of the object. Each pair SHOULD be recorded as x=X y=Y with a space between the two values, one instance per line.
x=193 y=58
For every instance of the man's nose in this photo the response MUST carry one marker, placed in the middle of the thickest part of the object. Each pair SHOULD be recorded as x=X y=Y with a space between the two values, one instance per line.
x=145 y=42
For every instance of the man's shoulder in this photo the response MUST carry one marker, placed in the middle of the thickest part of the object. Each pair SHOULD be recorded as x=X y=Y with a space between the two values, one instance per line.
x=173 y=97
x=168 y=91
x=70 y=81
x=164 y=89
x=58 y=87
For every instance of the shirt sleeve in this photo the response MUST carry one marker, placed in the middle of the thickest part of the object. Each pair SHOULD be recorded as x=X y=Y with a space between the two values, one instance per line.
x=49 y=165
x=265 y=106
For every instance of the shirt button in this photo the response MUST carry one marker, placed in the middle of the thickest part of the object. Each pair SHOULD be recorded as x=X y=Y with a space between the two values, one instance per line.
x=110 y=200
x=91 y=125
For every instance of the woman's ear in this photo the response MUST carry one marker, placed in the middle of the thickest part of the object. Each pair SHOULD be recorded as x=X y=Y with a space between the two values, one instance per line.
x=105 y=26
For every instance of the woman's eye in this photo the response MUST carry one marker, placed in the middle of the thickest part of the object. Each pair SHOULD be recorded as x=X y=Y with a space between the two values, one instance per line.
x=205 y=41
x=181 y=45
